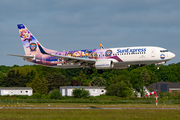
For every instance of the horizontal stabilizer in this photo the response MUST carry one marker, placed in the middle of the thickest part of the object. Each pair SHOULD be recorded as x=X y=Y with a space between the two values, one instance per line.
x=24 y=56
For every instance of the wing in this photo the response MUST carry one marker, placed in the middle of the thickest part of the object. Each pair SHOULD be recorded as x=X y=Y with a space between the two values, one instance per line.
x=76 y=60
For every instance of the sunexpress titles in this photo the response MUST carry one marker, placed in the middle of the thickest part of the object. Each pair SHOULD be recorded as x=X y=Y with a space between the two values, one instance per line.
x=128 y=50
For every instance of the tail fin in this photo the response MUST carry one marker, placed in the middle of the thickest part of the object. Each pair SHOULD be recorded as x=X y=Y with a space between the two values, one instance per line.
x=28 y=40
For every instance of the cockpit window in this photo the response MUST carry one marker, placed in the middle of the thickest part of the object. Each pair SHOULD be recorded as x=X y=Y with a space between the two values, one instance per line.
x=163 y=50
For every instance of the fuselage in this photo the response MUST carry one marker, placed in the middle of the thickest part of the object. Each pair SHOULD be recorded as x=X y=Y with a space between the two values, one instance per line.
x=121 y=57
x=116 y=58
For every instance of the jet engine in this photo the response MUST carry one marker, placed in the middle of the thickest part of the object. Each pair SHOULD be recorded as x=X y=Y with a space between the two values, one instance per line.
x=121 y=67
x=104 y=64
x=161 y=62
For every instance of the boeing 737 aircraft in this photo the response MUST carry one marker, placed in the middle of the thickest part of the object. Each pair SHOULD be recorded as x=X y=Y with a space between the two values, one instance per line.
x=109 y=58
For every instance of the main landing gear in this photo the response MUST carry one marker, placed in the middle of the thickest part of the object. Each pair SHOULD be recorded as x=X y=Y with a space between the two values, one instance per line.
x=90 y=71
x=99 y=71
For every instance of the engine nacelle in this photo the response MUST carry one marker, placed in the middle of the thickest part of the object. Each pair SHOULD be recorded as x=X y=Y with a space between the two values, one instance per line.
x=104 y=64
x=121 y=67
x=162 y=63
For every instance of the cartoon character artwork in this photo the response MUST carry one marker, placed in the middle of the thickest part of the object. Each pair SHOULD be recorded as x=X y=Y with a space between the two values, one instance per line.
x=82 y=54
x=25 y=35
x=93 y=55
x=77 y=54
x=61 y=61
x=88 y=53
x=69 y=54
x=33 y=47
x=108 y=53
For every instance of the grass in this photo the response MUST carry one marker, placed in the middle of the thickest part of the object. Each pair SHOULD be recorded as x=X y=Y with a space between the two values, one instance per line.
x=89 y=114
x=97 y=114
x=89 y=105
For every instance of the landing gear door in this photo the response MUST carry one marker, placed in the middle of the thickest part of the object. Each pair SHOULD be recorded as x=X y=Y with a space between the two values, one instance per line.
x=153 y=53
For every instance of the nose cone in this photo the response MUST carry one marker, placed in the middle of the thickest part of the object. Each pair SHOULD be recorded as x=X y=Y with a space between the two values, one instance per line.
x=171 y=55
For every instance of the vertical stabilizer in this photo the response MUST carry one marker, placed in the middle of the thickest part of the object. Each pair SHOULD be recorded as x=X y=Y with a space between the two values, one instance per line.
x=28 y=40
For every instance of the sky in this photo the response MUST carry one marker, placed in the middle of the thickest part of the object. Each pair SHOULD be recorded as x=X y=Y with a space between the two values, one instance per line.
x=84 y=24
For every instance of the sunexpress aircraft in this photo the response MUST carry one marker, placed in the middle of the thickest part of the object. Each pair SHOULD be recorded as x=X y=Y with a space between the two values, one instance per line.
x=111 y=58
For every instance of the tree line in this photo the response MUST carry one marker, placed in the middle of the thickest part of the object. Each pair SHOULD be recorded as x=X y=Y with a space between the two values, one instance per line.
x=118 y=82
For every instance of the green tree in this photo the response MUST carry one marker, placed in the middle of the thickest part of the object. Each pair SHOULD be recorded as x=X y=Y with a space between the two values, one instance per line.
x=117 y=79
x=82 y=78
x=145 y=77
x=2 y=75
x=153 y=77
x=5 y=69
x=76 y=83
x=55 y=80
x=19 y=76
x=55 y=94
x=136 y=79
x=98 y=81
x=31 y=75
x=85 y=93
x=15 y=79
x=36 y=96
x=119 y=89
x=79 y=93
x=39 y=85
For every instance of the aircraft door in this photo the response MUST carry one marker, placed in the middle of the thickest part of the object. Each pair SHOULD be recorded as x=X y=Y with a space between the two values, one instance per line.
x=153 y=53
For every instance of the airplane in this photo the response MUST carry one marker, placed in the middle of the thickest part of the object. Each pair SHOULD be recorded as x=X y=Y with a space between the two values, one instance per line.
x=103 y=58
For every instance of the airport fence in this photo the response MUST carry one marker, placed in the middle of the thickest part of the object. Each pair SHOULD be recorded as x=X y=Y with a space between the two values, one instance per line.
x=11 y=101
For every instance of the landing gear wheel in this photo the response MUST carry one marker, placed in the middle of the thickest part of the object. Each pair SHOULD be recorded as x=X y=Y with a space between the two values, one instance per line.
x=99 y=71
x=90 y=71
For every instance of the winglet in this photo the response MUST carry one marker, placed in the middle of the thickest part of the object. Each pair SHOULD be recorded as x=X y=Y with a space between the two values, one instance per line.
x=101 y=46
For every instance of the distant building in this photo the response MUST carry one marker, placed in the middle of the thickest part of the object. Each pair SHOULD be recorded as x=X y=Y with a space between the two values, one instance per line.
x=93 y=90
x=16 y=91
x=165 y=86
